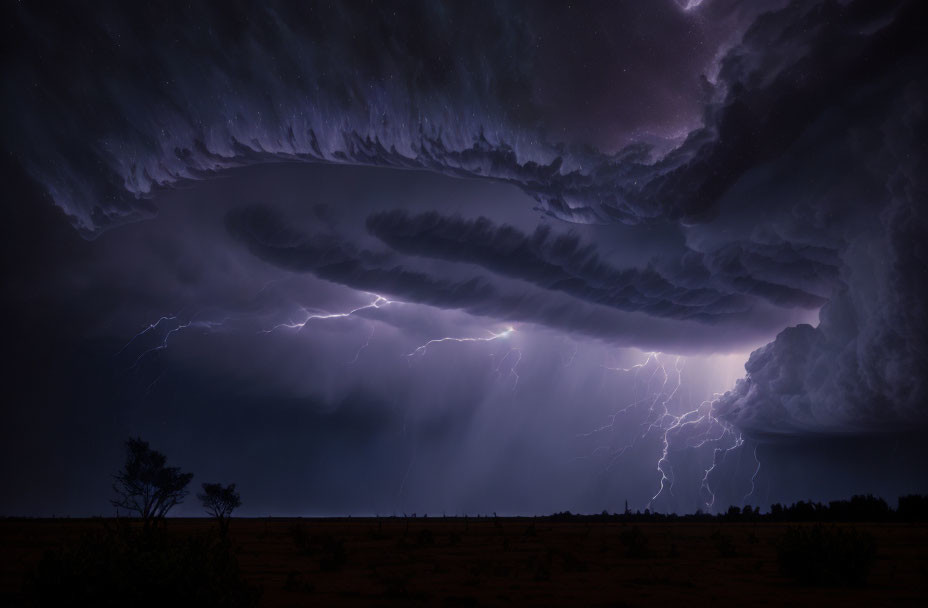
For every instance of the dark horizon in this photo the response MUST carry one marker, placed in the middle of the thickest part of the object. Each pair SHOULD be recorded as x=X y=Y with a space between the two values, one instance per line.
x=467 y=257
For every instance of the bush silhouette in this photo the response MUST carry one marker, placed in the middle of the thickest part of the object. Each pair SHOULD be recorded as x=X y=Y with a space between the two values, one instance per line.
x=219 y=502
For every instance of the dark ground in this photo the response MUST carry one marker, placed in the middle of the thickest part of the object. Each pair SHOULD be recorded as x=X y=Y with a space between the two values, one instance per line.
x=487 y=562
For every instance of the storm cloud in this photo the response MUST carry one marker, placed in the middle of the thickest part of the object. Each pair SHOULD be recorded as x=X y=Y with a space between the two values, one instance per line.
x=595 y=204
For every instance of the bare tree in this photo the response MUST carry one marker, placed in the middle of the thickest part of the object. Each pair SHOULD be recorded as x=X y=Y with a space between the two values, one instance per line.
x=219 y=502
x=145 y=485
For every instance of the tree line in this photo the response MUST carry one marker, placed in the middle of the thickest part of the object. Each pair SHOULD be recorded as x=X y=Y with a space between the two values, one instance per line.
x=859 y=508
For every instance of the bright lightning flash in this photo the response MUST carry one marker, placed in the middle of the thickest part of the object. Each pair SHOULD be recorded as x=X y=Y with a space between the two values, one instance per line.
x=377 y=303
x=493 y=336
x=694 y=428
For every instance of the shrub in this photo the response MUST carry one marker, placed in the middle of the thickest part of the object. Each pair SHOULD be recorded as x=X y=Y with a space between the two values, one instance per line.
x=820 y=555
x=220 y=501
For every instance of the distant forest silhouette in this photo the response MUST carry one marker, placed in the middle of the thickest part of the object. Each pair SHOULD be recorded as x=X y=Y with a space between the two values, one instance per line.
x=859 y=508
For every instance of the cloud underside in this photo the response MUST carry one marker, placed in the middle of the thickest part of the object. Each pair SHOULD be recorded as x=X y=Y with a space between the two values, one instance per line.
x=622 y=319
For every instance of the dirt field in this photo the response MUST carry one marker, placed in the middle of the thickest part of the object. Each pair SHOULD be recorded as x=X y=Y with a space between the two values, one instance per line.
x=486 y=562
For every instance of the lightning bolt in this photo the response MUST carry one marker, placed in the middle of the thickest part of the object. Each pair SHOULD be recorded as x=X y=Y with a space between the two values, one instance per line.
x=151 y=327
x=634 y=368
x=363 y=346
x=753 y=477
x=512 y=368
x=610 y=426
x=693 y=428
x=378 y=302
x=674 y=422
x=421 y=350
x=573 y=355
x=718 y=456
x=206 y=325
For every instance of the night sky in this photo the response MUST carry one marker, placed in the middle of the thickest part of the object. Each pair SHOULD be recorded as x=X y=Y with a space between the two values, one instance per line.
x=466 y=257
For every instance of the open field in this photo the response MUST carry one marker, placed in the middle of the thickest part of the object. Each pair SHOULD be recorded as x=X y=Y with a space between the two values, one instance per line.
x=489 y=562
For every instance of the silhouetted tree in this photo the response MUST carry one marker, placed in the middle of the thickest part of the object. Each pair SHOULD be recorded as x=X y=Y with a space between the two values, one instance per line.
x=776 y=511
x=219 y=502
x=145 y=485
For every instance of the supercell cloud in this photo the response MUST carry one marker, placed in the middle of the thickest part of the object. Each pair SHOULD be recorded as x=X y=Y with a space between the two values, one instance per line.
x=701 y=182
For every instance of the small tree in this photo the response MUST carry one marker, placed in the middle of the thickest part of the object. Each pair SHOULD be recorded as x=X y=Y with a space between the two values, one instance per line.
x=219 y=502
x=145 y=485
